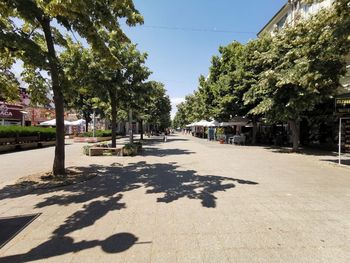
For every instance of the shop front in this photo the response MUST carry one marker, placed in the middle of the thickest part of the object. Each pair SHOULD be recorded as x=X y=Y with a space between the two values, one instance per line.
x=11 y=114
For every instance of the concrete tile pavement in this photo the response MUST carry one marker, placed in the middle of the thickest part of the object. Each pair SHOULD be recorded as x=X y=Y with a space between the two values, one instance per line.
x=188 y=200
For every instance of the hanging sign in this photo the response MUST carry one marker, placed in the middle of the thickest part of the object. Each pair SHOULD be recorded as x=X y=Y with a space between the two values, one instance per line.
x=9 y=111
x=342 y=106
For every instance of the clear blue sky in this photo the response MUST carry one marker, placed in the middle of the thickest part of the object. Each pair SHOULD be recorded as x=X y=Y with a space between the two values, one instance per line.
x=178 y=56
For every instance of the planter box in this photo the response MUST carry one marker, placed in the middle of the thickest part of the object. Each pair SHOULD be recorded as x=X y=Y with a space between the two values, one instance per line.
x=7 y=148
x=46 y=144
x=27 y=146
x=28 y=139
x=7 y=140
x=91 y=139
x=99 y=151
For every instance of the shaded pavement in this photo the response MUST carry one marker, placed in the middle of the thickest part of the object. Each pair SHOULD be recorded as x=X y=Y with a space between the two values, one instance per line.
x=188 y=200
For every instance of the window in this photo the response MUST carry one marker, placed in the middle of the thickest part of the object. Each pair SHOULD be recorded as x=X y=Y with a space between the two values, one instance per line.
x=281 y=23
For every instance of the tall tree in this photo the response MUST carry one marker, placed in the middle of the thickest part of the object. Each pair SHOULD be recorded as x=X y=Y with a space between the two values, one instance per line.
x=306 y=62
x=158 y=105
x=35 y=37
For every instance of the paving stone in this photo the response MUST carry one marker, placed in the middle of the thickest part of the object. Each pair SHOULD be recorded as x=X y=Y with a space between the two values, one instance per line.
x=196 y=202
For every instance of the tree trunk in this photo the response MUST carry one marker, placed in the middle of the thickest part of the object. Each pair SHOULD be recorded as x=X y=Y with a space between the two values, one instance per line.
x=86 y=117
x=131 y=134
x=114 y=118
x=141 y=133
x=255 y=131
x=86 y=125
x=59 y=161
x=295 y=127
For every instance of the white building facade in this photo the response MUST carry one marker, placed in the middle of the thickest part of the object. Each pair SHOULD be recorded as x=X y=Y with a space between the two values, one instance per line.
x=292 y=11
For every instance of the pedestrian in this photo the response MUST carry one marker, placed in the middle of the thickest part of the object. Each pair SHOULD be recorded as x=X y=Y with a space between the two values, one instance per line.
x=165 y=136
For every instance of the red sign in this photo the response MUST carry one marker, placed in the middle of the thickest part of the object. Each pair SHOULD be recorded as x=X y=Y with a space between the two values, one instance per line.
x=10 y=112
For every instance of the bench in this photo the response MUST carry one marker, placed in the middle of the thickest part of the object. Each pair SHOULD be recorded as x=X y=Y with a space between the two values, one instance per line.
x=98 y=151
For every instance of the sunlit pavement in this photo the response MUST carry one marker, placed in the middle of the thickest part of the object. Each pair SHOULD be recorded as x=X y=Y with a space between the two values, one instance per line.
x=186 y=200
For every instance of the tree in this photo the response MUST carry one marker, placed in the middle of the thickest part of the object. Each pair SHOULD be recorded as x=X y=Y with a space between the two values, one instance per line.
x=306 y=62
x=34 y=39
x=8 y=81
x=80 y=93
x=158 y=106
x=181 y=118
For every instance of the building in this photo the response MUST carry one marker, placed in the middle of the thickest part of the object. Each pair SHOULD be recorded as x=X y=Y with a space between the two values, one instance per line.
x=11 y=114
x=294 y=10
x=21 y=113
x=291 y=12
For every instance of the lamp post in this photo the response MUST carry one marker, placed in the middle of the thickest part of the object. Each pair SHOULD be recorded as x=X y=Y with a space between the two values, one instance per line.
x=93 y=124
x=23 y=115
x=131 y=132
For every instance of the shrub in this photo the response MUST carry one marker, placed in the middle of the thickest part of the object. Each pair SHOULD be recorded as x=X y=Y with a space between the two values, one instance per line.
x=130 y=149
x=14 y=131
x=86 y=149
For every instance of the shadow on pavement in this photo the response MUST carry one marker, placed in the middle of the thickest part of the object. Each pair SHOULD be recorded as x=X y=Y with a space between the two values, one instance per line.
x=335 y=161
x=301 y=151
x=159 y=139
x=60 y=245
x=104 y=193
x=164 y=152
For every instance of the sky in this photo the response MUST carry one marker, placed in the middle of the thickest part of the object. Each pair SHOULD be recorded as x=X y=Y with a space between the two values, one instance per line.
x=181 y=36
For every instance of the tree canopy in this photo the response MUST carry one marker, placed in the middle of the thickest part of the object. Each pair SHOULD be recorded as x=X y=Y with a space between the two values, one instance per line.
x=39 y=33
x=280 y=77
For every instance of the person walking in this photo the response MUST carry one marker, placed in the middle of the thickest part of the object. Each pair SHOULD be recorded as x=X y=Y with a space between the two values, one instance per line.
x=165 y=135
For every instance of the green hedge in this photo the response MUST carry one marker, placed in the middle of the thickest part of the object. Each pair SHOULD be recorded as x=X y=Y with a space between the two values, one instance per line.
x=14 y=131
x=106 y=133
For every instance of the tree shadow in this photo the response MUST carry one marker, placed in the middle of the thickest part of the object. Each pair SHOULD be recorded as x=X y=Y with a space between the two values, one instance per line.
x=344 y=161
x=116 y=179
x=301 y=151
x=104 y=193
x=60 y=245
x=164 y=152
x=160 y=139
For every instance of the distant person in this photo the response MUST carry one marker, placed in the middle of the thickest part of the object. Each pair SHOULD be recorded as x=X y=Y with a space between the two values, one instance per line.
x=165 y=135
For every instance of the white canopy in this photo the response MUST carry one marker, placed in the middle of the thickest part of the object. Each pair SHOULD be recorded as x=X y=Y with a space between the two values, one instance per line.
x=213 y=123
x=78 y=122
x=53 y=123
x=202 y=123
x=236 y=121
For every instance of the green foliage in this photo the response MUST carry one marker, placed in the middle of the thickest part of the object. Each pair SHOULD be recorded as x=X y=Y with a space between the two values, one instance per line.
x=8 y=83
x=156 y=105
x=305 y=64
x=14 y=131
x=86 y=149
x=220 y=131
x=282 y=77
x=131 y=149
x=37 y=33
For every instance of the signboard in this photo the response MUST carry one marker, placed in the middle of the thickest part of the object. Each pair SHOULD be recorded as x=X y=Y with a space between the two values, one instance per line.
x=10 y=112
x=347 y=135
x=342 y=106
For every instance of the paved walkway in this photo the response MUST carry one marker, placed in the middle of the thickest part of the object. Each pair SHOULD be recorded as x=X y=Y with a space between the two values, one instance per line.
x=186 y=200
